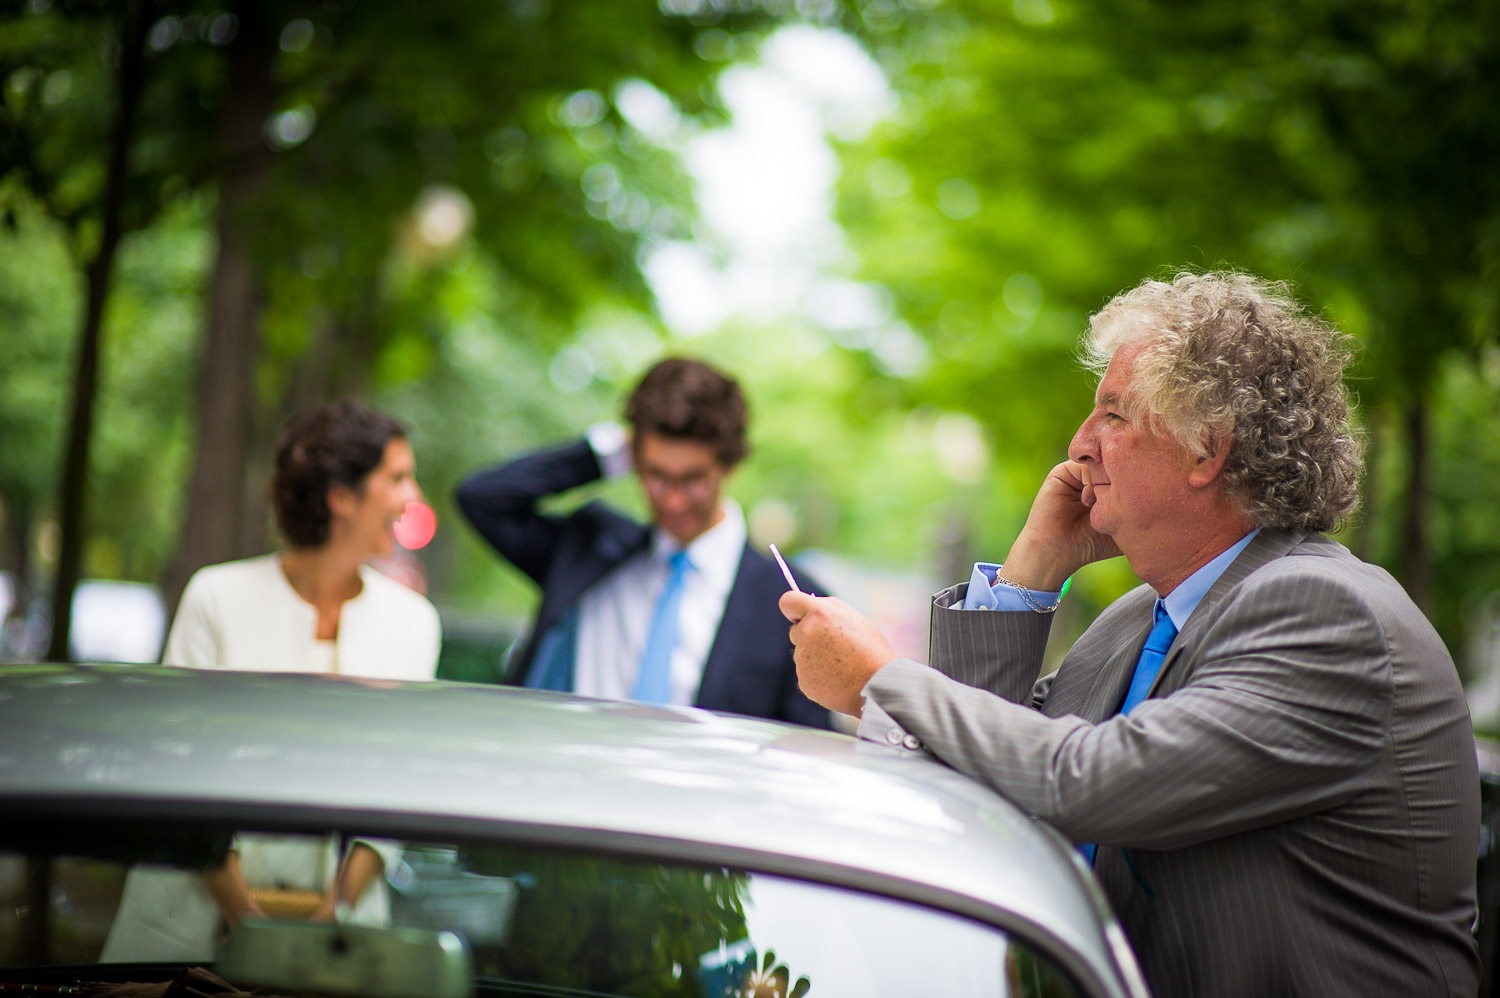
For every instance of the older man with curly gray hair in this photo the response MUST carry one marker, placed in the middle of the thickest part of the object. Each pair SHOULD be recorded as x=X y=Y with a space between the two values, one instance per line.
x=1263 y=751
x=1228 y=357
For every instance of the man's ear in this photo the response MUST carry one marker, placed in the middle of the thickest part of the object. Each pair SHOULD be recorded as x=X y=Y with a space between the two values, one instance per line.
x=1207 y=468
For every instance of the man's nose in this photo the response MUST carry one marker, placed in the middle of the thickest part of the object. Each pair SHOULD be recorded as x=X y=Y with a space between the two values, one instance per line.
x=672 y=494
x=1084 y=446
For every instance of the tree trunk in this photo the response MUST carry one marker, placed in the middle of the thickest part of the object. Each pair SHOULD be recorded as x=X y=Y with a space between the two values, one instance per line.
x=34 y=942
x=1416 y=556
x=221 y=519
x=129 y=82
x=15 y=550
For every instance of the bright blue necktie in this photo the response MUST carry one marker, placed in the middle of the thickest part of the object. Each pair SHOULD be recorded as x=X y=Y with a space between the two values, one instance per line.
x=1152 y=656
x=1146 y=668
x=653 y=683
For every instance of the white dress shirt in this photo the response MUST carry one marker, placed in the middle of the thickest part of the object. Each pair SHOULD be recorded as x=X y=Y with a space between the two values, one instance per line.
x=615 y=614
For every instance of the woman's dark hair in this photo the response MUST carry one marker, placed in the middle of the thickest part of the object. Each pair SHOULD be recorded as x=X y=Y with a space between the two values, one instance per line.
x=339 y=443
x=689 y=400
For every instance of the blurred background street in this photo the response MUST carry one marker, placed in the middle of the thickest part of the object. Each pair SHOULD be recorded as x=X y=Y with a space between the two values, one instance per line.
x=889 y=218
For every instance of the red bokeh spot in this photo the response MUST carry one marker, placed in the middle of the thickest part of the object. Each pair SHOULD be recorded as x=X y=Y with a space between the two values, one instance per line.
x=417 y=525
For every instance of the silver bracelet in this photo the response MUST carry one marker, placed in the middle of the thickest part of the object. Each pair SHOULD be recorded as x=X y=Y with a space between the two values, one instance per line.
x=1026 y=596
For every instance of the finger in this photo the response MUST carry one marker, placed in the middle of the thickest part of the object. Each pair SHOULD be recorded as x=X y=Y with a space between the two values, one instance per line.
x=1088 y=496
x=794 y=606
x=1073 y=474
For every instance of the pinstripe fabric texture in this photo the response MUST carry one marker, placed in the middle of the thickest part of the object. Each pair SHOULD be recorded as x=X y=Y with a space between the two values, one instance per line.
x=1298 y=798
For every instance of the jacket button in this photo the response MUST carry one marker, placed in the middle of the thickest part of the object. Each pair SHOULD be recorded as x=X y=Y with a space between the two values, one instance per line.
x=912 y=742
x=893 y=736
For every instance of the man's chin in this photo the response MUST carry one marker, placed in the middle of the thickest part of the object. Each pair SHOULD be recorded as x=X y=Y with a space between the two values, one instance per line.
x=1099 y=519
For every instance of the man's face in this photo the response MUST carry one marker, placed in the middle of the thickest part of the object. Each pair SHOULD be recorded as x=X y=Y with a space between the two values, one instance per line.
x=1139 y=478
x=682 y=480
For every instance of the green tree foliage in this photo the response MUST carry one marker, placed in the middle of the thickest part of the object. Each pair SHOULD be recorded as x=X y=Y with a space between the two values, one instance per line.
x=97 y=212
x=399 y=132
x=1048 y=154
x=38 y=301
x=611 y=926
x=443 y=206
x=355 y=157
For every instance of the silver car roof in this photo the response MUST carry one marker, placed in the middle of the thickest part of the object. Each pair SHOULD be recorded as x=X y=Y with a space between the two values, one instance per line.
x=434 y=760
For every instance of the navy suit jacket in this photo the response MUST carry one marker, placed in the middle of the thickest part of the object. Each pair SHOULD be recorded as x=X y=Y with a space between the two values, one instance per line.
x=749 y=669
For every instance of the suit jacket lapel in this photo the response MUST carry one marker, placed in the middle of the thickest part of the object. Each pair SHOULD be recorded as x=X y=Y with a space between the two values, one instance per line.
x=719 y=679
x=610 y=549
x=1097 y=670
x=576 y=573
x=1114 y=678
x=1267 y=546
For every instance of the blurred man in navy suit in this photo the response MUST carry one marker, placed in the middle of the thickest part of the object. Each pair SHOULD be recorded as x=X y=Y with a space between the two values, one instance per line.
x=679 y=611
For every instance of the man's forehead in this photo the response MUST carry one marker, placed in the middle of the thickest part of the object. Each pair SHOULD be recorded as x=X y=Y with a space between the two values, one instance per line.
x=1111 y=392
x=675 y=454
x=1115 y=384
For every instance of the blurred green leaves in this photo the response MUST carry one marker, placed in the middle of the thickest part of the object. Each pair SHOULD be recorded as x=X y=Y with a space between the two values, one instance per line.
x=459 y=195
x=1048 y=154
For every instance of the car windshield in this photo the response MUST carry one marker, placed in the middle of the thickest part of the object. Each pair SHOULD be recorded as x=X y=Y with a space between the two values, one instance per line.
x=520 y=919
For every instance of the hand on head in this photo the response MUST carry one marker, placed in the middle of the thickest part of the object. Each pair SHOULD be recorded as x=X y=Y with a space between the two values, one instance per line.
x=837 y=650
x=1058 y=538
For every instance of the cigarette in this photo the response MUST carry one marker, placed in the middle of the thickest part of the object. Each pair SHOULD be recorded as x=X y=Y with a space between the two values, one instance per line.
x=784 y=570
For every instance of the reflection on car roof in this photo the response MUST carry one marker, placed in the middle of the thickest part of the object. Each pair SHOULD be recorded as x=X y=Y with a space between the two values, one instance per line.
x=424 y=759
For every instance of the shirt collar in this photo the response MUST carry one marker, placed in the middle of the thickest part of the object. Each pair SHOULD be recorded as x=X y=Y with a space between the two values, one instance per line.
x=715 y=553
x=1182 y=601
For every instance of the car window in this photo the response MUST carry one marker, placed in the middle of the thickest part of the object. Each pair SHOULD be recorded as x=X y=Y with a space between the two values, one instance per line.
x=532 y=921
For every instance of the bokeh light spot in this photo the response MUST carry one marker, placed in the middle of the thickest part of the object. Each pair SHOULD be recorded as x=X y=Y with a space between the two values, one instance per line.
x=297 y=35
x=582 y=109
x=416 y=527
x=292 y=127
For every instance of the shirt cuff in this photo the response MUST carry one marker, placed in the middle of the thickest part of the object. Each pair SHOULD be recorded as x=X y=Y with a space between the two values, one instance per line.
x=607 y=440
x=986 y=594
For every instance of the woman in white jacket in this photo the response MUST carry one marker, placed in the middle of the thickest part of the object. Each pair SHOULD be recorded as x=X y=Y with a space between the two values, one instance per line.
x=344 y=475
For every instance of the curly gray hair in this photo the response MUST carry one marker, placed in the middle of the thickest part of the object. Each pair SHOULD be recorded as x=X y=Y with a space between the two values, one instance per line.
x=1231 y=356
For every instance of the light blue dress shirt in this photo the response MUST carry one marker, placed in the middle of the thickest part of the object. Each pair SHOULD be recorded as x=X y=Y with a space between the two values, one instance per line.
x=1183 y=600
x=986 y=594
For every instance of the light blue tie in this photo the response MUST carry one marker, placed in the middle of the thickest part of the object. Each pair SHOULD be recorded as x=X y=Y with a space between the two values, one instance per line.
x=1146 y=668
x=653 y=683
x=556 y=651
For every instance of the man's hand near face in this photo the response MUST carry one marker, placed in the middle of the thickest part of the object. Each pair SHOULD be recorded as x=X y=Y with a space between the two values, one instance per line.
x=1058 y=538
x=837 y=650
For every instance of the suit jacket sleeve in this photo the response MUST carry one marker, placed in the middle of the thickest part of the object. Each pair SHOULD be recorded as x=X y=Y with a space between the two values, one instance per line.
x=1285 y=712
x=501 y=503
x=999 y=651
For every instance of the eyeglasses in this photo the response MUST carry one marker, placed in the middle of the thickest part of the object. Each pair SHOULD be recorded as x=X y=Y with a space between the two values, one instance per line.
x=696 y=485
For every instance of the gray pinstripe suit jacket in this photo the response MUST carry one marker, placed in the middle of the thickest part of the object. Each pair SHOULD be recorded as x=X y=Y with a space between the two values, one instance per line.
x=1299 y=799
